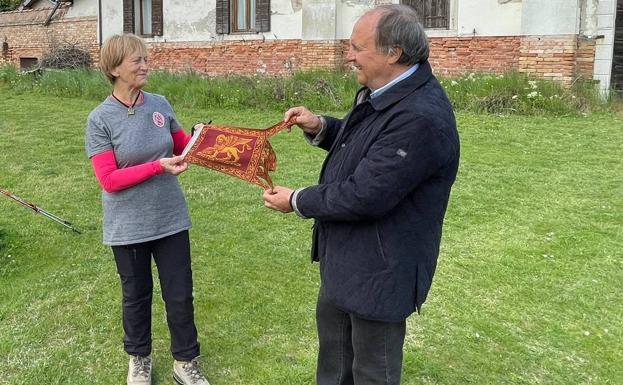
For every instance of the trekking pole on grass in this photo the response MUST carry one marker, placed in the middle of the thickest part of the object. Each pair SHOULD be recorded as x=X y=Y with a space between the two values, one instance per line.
x=39 y=210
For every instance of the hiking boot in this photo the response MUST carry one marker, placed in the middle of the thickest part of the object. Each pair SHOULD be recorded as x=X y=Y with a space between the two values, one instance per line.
x=139 y=372
x=189 y=373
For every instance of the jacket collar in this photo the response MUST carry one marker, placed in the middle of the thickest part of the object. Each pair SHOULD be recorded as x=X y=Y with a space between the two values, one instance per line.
x=400 y=89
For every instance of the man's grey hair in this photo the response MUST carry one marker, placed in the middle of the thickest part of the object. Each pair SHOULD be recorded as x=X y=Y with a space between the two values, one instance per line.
x=399 y=26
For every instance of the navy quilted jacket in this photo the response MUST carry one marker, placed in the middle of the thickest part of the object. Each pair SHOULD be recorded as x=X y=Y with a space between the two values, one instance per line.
x=382 y=196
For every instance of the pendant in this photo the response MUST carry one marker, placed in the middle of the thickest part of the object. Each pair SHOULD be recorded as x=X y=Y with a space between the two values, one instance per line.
x=130 y=111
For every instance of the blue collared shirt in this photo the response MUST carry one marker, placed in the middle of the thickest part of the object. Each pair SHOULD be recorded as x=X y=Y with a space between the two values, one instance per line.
x=400 y=77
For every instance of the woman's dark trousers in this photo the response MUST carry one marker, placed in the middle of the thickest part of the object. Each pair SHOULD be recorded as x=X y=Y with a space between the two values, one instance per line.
x=172 y=257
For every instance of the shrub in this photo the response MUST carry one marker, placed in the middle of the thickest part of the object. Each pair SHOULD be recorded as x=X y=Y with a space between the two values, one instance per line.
x=9 y=5
x=66 y=55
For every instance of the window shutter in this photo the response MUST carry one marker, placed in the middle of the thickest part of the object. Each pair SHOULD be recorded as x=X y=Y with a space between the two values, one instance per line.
x=156 y=17
x=438 y=14
x=262 y=15
x=128 y=16
x=418 y=5
x=222 y=17
x=432 y=13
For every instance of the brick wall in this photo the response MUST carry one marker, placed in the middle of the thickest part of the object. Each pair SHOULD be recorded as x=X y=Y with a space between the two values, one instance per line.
x=27 y=37
x=451 y=56
x=585 y=58
x=559 y=58
x=549 y=57
x=246 y=57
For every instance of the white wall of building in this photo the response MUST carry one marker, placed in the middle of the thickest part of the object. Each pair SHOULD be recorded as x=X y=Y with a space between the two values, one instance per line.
x=192 y=21
x=347 y=14
x=319 y=19
x=488 y=17
x=188 y=20
x=111 y=18
x=550 y=17
x=588 y=17
x=286 y=19
x=83 y=8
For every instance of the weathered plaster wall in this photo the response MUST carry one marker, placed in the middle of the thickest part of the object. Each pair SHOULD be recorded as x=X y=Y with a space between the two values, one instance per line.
x=588 y=17
x=83 y=8
x=189 y=20
x=488 y=18
x=192 y=21
x=550 y=17
x=286 y=20
x=111 y=18
x=319 y=19
x=348 y=11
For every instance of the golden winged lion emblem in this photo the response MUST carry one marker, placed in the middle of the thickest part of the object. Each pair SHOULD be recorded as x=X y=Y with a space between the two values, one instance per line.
x=227 y=149
x=241 y=152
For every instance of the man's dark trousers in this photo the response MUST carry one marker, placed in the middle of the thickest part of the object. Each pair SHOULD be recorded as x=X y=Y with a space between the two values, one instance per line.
x=172 y=257
x=355 y=351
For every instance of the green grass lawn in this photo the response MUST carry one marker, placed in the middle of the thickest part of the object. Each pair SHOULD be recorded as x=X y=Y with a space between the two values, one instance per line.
x=528 y=288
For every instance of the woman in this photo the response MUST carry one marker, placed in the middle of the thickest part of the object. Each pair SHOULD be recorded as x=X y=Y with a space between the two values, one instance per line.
x=131 y=138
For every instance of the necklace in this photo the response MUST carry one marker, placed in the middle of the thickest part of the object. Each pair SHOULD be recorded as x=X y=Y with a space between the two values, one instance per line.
x=131 y=107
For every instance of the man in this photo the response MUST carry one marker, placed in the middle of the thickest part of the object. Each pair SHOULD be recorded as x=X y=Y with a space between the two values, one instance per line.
x=381 y=199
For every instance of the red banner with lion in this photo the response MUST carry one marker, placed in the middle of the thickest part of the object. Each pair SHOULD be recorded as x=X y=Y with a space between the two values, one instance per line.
x=241 y=152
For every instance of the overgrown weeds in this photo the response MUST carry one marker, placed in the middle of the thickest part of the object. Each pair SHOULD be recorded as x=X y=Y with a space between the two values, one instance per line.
x=516 y=93
x=508 y=94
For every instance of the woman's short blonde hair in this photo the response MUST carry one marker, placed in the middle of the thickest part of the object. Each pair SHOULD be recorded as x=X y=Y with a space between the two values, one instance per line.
x=116 y=48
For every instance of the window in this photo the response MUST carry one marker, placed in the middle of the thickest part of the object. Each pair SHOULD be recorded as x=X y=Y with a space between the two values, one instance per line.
x=142 y=17
x=236 y=16
x=243 y=16
x=28 y=63
x=433 y=13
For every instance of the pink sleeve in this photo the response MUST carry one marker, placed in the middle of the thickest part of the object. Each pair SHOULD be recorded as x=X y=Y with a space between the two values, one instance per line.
x=113 y=179
x=180 y=139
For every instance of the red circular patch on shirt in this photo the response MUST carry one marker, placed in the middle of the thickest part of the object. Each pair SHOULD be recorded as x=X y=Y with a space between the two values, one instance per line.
x=158 y=119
